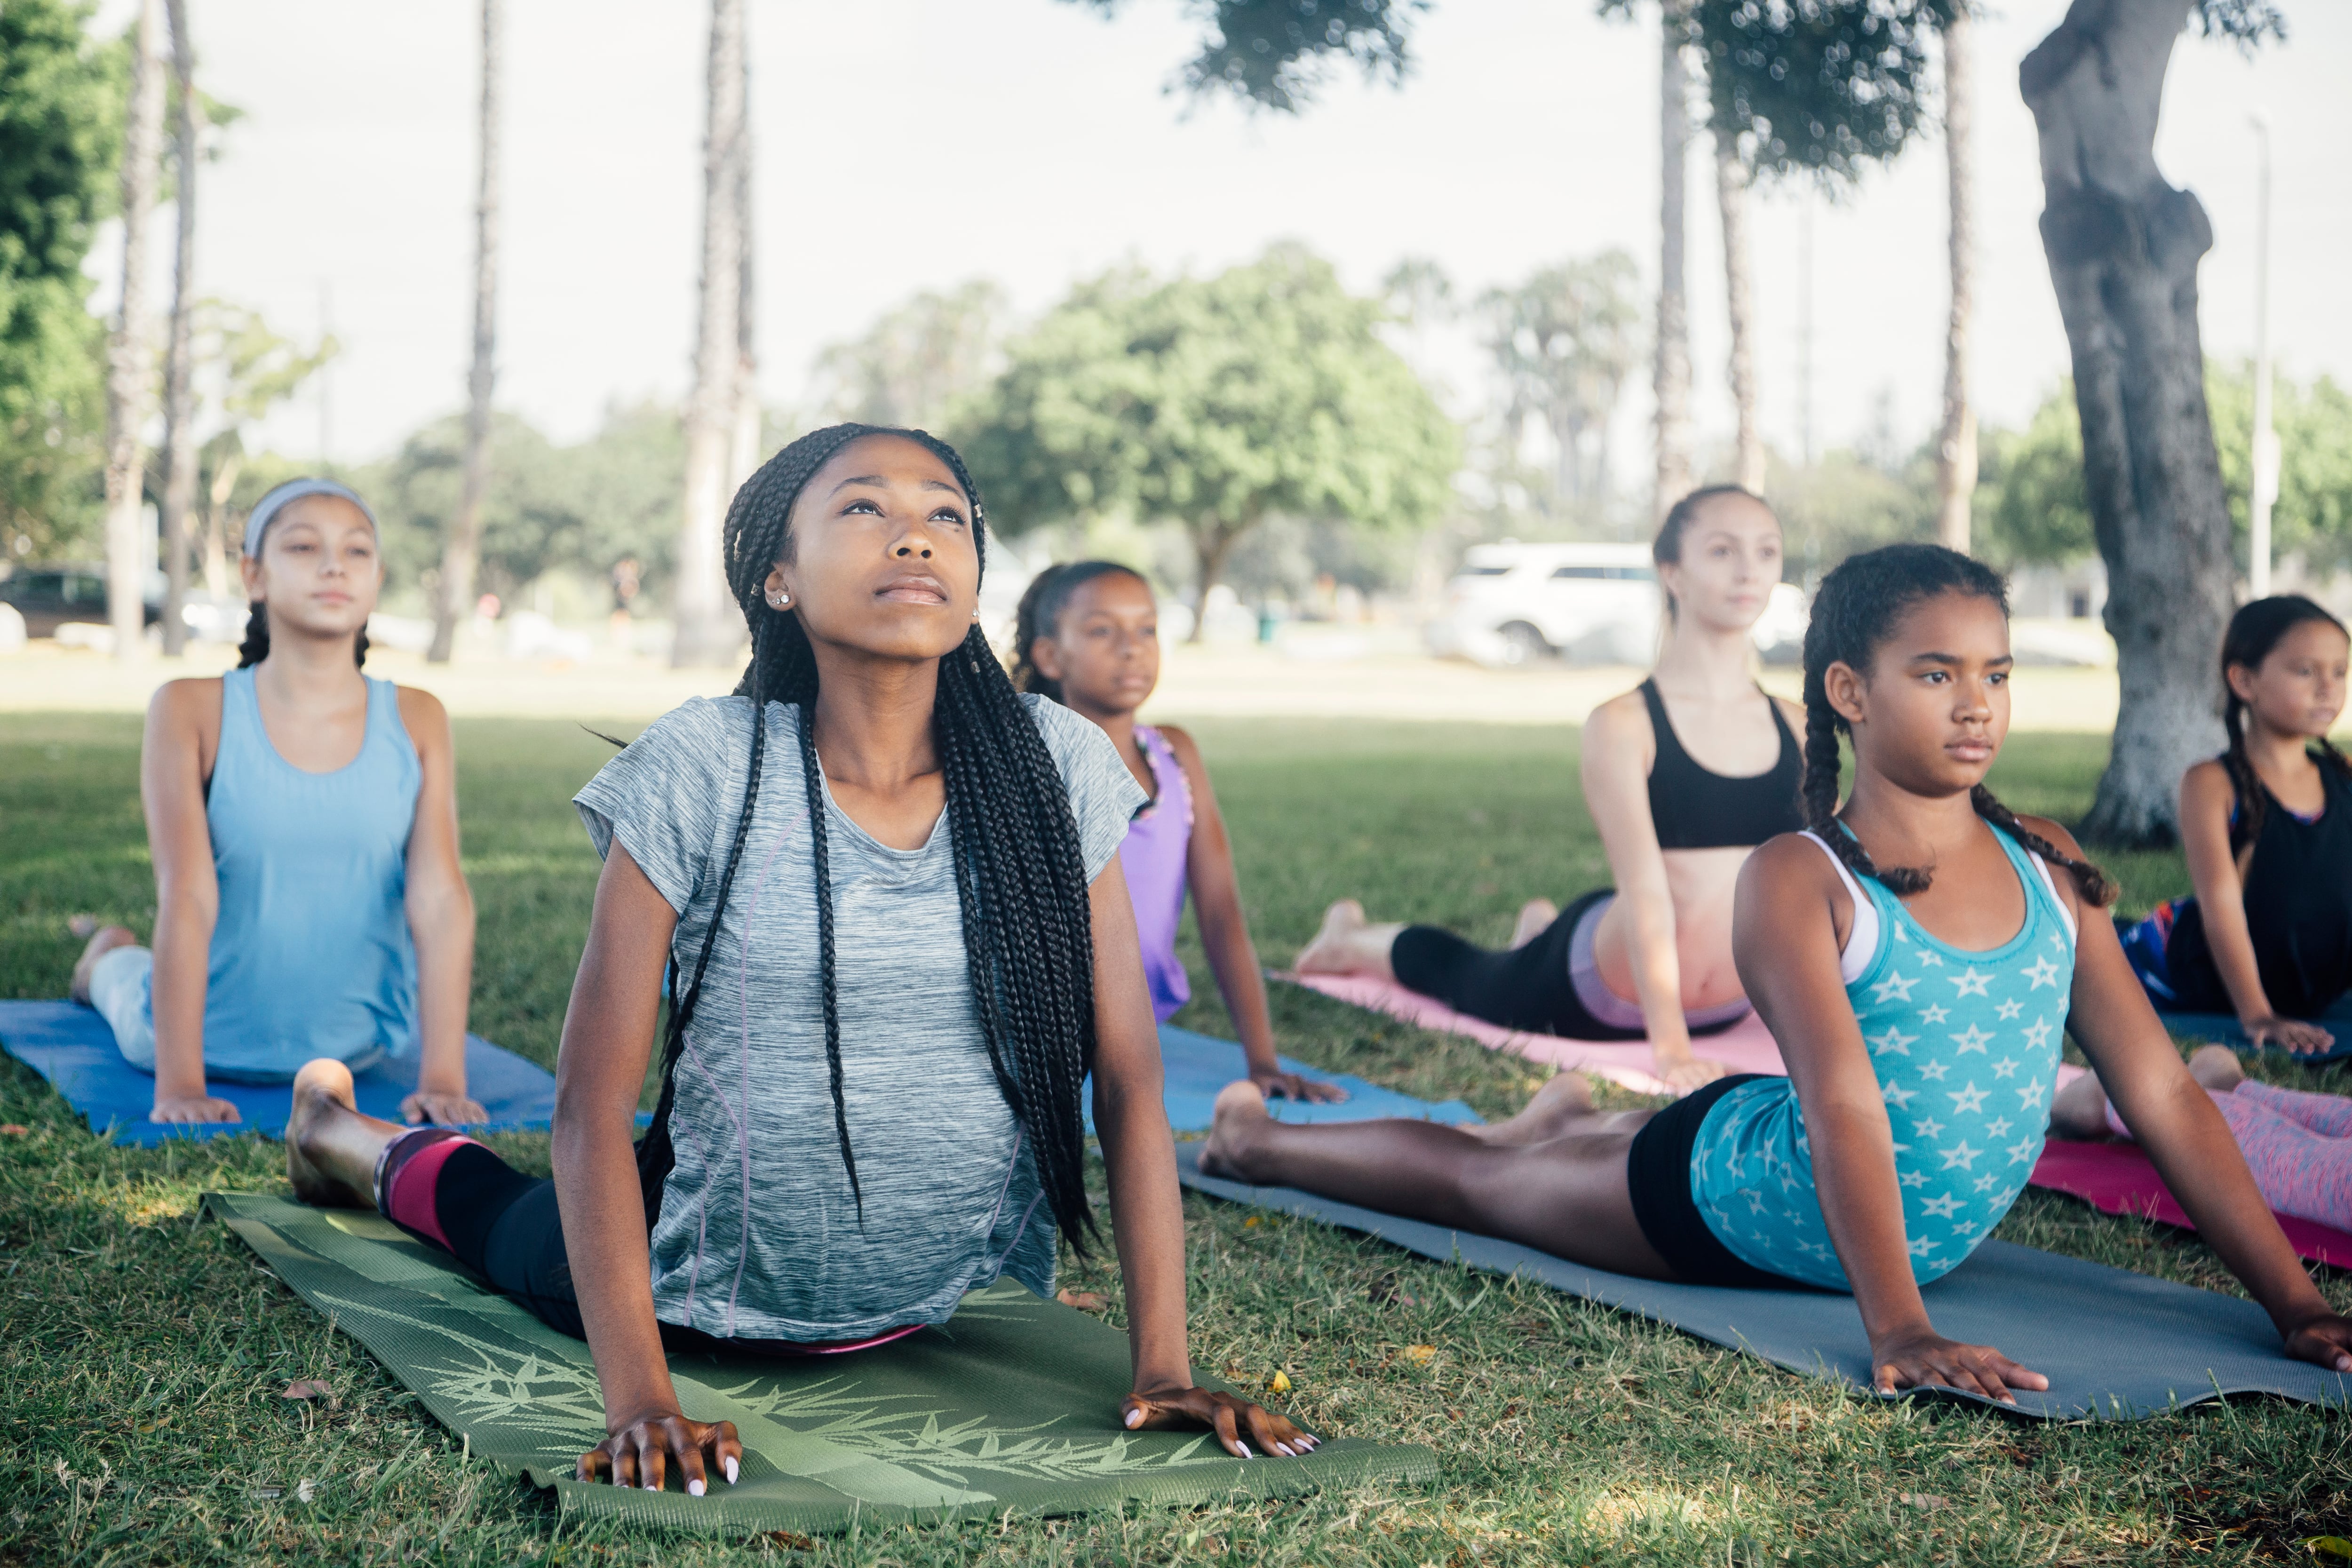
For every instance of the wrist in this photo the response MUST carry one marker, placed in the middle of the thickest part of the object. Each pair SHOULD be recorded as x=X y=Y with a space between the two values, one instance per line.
x=1152 y=1376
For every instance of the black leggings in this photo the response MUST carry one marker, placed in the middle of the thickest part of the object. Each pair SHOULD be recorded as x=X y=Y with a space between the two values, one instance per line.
x=503 y=1226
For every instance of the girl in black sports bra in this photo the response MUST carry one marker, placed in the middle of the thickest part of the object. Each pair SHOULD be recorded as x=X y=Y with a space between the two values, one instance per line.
x=2267 y=827
x=1651 y=956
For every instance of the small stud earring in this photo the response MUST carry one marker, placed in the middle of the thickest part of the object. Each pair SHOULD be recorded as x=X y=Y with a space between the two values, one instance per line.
x=780 y=600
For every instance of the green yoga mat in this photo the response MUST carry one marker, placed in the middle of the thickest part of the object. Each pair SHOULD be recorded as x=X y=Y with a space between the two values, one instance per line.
x=1011 y=1406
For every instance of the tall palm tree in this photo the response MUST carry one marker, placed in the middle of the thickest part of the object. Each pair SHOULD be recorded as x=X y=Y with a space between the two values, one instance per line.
x=744 y=445
x=129 y=359
x=701 y=601
x=1731 y=182
x=1956 y=443
x=179 y=382
x=1671 y=377
x=462 y=550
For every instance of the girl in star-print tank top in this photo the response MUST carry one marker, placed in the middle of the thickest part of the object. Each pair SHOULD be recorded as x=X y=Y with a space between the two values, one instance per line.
x=1917 y=960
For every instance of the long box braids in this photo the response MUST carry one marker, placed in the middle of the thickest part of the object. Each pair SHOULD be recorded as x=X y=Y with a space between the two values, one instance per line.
x=1020 y=873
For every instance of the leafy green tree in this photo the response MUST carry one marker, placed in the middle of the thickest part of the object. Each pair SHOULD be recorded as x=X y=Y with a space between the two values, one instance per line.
x=913 y=365
x=1212 y=404
x=1278 y=53
x=60 y=132
x=1565 y=340
x=2030 y=490
x=2313 y=515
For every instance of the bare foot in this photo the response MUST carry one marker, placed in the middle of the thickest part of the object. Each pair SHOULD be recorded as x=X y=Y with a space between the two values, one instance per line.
x=1535 y=917
x=103 y=940
x=2079 y=1111
x=1554 y=1111
x=1240 y=1114
x=1329 y=952
x=2216 y=1067
x=316 y=1161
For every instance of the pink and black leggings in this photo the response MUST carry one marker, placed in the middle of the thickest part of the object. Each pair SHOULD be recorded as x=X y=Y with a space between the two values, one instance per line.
x=443 y=1187
x=2298 y=1145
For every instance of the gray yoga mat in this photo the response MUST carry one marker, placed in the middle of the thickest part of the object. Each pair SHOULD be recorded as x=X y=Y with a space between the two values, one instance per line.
x=2114 y=1345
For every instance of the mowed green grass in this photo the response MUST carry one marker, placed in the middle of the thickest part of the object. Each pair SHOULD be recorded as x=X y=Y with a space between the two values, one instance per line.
x=142 y=1351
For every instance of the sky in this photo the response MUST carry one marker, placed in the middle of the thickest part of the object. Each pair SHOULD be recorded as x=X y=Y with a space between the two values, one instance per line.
x=910 y=145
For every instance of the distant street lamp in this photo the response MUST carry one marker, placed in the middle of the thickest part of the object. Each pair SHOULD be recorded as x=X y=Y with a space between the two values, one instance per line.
x=2265 y=478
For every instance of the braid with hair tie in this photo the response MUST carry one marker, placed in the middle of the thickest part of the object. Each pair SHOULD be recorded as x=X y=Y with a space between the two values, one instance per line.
x=1021 y=884
x=1857 y=608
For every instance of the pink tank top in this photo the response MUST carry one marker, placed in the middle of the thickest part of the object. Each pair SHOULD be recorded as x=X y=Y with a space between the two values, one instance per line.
x=1153 y=861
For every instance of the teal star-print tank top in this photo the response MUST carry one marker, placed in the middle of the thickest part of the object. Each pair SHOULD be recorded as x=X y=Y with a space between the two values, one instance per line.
x=1966 y=1046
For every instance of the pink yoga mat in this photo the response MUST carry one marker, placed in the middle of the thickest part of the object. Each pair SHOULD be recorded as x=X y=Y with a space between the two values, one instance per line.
x=1746 y=1046
x=2119 y=1178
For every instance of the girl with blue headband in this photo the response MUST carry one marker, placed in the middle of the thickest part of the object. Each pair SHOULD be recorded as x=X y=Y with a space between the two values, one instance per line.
x=303 y=823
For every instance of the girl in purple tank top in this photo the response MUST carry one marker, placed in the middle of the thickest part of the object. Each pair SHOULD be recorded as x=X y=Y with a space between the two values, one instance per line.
x=1088 y=638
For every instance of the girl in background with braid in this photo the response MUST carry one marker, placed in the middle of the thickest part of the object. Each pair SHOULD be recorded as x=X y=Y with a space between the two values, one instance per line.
x=2268 y=830
x=1917 y=962
x=1088 y=636
x=890 y=888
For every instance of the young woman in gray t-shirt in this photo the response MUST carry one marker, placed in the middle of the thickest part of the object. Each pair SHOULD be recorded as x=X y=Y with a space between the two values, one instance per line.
x=895 y=964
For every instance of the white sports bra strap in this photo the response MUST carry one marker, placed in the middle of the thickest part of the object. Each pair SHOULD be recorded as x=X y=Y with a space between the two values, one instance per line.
x=1862 y=942
x=2065 y=915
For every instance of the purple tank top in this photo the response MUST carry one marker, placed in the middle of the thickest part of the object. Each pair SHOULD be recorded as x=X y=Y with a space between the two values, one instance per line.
x=1153 y=861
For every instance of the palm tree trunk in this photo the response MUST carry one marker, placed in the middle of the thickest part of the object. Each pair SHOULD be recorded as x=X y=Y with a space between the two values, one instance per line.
x=179 y=385
x=1956 y=446
x=744 y=447
x=702 y=600
x=1731 y=182
x=2124 y=247
x=216 y=524
x=130 y=363
x=461 y=551
x=1670 y=378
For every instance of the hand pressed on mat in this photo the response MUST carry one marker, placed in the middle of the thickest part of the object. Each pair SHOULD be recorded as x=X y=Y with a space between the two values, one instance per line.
x=1229 y=1417
x=1922 y=1358
x=638 y=1453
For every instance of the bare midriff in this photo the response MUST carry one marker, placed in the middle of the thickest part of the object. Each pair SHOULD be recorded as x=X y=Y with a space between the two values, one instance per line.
x=1701 y=882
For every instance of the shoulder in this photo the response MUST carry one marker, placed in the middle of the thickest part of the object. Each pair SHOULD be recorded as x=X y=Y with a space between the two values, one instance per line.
x=2207 y=784
x=2052 y=834
x=1788 y=858
x=1792 y=713
x=1187 y=750
x=1623 y=717
x=187 y=707
x=422 y=714
x=1067 y=735
x=702 y=741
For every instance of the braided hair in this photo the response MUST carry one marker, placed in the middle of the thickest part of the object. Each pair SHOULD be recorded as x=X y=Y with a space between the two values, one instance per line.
x=1666 y=550
x=1047 y=596
x=2254 y=631
x=1856 y=610
x=1020 y=874
x=255 y=645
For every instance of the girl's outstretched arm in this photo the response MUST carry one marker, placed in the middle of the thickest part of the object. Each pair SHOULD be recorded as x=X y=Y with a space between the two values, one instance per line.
x=2175 y=1120
x=1145 y=1208
x=608 y=1034
x=1790 y=923
x=1224 y=932
x=173 y=768
x=2206 y=797
x=1619 y=747
x=440 y=908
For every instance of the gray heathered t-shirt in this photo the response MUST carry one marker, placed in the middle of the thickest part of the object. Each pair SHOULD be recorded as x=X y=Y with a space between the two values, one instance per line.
x=759 y=1237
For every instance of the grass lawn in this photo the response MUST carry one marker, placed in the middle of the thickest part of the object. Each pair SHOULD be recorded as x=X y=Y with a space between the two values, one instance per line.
x=142 y=1350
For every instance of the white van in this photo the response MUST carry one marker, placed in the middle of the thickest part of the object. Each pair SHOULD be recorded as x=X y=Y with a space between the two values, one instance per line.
x=1589 y=604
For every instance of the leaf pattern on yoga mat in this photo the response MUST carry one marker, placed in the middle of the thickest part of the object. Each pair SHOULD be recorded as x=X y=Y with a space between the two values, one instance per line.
x=1012 y=1404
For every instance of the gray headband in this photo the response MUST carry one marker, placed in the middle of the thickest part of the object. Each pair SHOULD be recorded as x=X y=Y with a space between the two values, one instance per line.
x=276 y=501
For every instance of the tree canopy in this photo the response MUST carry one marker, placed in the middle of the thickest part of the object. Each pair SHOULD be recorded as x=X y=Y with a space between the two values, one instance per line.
x=1275 y=53
x=1212 y=404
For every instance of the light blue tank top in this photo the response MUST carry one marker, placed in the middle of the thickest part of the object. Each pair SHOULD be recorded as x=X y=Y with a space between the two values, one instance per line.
x=310 y=955
x=1966 y=1046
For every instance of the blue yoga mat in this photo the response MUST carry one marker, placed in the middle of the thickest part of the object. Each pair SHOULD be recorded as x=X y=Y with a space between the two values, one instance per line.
x=2114 y=1345
x=1198 y=1066
x=70 y=1046
x=2222 y=1029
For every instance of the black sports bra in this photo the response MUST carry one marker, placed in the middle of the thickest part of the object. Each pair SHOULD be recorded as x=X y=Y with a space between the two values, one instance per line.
x=1695 y=809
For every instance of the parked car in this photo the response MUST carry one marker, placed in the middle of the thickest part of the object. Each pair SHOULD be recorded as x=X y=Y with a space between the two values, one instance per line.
x=51 y=596
x=1512 y=603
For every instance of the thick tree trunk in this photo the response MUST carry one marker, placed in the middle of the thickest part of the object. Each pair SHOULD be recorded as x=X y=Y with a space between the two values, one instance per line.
x=1672 y=374
x=1956 y=443
x=1213 y=542
x=461 y=551
x=179 y=380
x=128 y=361
x=703 y=603
x=2124 y=247
x=1731 y=182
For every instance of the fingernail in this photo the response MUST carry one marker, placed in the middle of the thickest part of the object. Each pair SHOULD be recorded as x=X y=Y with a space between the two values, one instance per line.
x=1286 y=1450
x=1135 y=1417
x=653 y=1486
x=730 y=1470
x=1245 y=1447
x=694 y=1487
